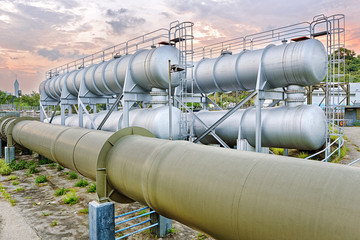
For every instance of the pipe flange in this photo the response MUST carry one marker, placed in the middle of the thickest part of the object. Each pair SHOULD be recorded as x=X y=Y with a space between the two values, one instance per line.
x=104 y=190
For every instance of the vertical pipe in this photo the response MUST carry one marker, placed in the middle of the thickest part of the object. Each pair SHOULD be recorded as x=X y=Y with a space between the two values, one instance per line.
x=169 y=99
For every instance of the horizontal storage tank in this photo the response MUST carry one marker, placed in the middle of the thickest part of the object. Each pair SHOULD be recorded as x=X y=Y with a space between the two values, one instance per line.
x=156 y=120
x=148 y=68
x=302 y=127
x=298 y=63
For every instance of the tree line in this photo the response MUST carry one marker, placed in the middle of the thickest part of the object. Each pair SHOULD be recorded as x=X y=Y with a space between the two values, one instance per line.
x=32 y=99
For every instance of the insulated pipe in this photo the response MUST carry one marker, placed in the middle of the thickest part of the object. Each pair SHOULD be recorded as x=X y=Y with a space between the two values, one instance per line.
x=148 y=68
x=298 y=63
x=225 y=193
x=302 y=127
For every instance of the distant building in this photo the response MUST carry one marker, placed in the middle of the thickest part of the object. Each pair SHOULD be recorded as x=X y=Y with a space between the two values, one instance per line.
x=16 y=86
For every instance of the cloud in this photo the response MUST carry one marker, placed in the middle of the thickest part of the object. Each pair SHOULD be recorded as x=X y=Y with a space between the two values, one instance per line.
x=55 y=54
x=122 y=19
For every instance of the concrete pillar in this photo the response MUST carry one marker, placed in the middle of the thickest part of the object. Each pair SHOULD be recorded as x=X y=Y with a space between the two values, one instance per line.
x=164 y=226
x=101 y=221
x=9 y=154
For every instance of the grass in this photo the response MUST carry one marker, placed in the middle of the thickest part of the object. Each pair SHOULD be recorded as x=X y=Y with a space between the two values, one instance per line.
x=15 y=183
x=92 y=188
x=71 y=198
x=60 y=168
x=61 y=191
x=343 y=152
x=302 y=155
x=54 y=223
x=7 y=196
x=5 y=169
x=82 y=183
x=19 y=189
x=84 y=211
x=73 y=176
x=40 y=179
x=142 y=212
x=200 y=236
x=12 y=177
x=277 y=151
x=46 y=214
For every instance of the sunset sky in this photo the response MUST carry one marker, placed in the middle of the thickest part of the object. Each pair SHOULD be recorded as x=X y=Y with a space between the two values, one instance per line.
x=38 y=35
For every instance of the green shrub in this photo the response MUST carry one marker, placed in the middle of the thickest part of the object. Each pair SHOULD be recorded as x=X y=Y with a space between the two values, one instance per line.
x=30 y=164
x=73 y=175
x=277 y=151
x=44 y=160
x=82 y=183
x=61 y=191
x=19 y=189
x=5 y=170
x=60 y=168
x=70 y=198
x=302 y=155
x=52 y=165
x=2 y=162
x=46 y=214
x=15 y=182
x=40 y=179
x=92 y=188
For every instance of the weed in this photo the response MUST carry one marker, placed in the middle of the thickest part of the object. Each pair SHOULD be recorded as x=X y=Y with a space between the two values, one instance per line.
x=73 y=175
x=27 y=174
x=70 y=198
x=84 y=211
x=44 y=160
x=172 y=230
x=12 y=201
x=30 y=163
x=142 y=212
x=19 y=189
x=302 y=155
x=82 y=183
x=7 y=196
x=52 y=165
x=61 y=191
x=54 y=223
x=357 y=123
x=60 y=168
x=15 y=183
x=200 y=236
x=40 y=179
x=18 y=165
x=32 y=169
x=5 y=170
x=12 y=177
x=28 y=197
x=277 y=151
x=92 y=188
x=2 y=162
x=46 y=214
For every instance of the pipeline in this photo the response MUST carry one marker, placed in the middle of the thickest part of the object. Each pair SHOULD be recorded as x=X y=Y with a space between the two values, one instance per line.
x=225 y=193
x=298 y=63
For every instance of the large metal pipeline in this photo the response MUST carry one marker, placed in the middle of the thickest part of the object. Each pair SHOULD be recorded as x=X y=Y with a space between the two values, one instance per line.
x=148 y=68
x=298 y=63
x=225 y=193
x=302 y=127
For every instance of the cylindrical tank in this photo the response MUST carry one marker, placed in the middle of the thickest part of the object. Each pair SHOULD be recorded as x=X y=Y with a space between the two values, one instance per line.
x=302 y=127
x=148 y=68
x=298 y=63
x=156 y=120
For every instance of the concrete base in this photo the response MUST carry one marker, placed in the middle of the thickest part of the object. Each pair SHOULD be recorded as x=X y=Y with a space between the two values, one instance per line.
x=9 y=154
x=164 y=226
x=101 y=221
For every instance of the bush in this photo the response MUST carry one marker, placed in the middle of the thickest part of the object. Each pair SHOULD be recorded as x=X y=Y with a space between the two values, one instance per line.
x=60 y=168
x=70 y=198
x=73 y=175
x=40 y=179
x=61 y=191
x=92 y=188
x=5 y=170
x=30 y=164
x=82 y=183
x=44 y=160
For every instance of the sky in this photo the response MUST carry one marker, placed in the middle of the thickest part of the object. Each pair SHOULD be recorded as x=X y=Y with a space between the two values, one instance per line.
x=37 y=35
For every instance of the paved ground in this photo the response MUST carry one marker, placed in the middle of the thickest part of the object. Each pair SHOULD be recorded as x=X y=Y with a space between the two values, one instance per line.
x=352 y=141
x=12 y=225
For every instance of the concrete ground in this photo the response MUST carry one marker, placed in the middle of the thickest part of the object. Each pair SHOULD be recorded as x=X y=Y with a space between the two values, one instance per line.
x=12 y=225
x=352 y=141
